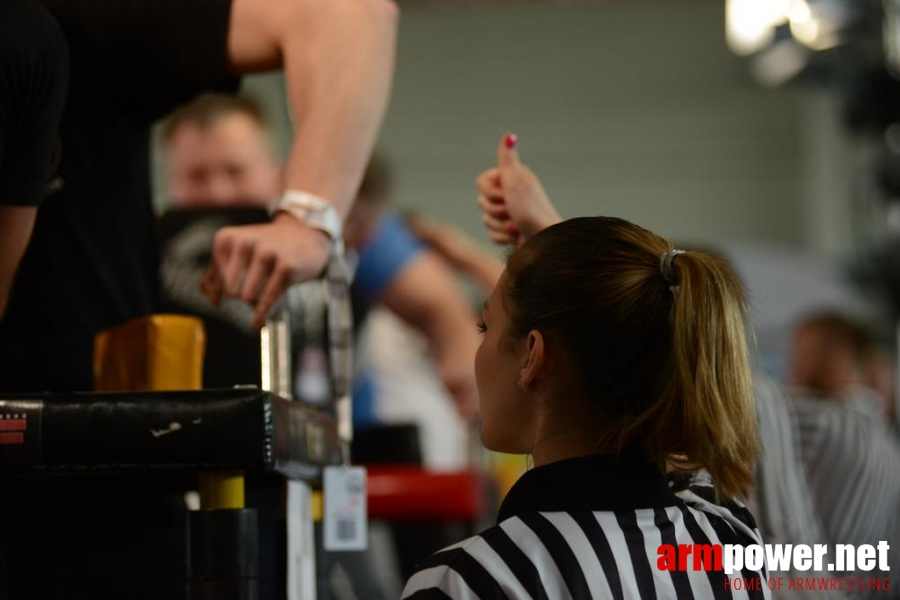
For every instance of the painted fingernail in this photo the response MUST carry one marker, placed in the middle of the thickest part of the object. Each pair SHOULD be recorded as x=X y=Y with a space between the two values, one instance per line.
x=511 y=140
x=513 y=229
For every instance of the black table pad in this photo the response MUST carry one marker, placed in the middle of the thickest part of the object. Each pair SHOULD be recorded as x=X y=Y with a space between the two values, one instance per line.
x=245 y=429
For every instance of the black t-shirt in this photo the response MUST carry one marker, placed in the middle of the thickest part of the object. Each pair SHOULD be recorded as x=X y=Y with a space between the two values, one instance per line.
x=34 y=72
x=92 y=261
x=186 y=238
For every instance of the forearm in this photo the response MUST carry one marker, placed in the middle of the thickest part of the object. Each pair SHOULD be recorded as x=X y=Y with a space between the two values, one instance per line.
x=337 y=56
x=479 y=264
x=338 y=75
x=460 y=251
x=16 y=224
x=5 y=290
x=453 y=339
x=426 y=295
x=543 y=214
x=338 y=61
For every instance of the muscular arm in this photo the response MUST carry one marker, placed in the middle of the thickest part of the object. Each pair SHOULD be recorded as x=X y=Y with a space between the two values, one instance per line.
x=460 y=251
x=16 y=223
x=338 y=58
x=426 y=295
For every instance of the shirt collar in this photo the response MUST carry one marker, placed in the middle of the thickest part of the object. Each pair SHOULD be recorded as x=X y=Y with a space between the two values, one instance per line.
x=596 y=482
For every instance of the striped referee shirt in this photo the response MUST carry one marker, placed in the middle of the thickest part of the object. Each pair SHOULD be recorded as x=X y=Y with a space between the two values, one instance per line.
x=782 y=501
x=852 y=458
x=589 y=527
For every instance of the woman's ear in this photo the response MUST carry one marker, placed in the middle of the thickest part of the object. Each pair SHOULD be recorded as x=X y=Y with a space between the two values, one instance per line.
x=534 y=358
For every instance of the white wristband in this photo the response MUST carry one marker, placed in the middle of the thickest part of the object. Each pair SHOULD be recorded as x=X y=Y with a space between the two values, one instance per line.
x=312 y=210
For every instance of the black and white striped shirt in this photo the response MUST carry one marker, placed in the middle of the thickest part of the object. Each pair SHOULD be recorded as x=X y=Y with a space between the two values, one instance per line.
x=852 y=459
x=782 y=501
x=589 y=527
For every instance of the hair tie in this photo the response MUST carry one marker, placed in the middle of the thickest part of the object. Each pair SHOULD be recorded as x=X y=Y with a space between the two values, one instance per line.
x=665 y=266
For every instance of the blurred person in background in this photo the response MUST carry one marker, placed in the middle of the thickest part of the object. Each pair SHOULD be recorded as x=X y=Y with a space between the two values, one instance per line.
x=219 y=154
x=220 y=171
x=833 y=356
x=851 y=453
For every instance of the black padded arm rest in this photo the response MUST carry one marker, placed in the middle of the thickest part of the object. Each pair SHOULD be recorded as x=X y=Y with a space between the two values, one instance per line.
x=243 y=429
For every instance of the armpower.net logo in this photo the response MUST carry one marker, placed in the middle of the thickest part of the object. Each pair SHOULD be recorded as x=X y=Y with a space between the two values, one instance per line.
x=742 y=565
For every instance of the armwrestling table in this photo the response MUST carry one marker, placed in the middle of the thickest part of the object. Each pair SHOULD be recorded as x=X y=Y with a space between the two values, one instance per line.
x=218 y=434
x=144 y=430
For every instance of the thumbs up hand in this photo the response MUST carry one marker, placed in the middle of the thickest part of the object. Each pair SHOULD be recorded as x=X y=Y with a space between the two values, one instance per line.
x=512 y=199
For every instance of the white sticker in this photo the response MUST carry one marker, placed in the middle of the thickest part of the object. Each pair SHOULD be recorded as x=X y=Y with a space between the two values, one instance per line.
x=345 y=508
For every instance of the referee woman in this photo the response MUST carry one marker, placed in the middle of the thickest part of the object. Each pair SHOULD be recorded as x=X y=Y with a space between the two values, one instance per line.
x=611 y=359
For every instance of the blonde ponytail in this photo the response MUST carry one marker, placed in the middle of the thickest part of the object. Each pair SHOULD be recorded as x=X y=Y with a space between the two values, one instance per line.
x=705 y=416
x=656 y=337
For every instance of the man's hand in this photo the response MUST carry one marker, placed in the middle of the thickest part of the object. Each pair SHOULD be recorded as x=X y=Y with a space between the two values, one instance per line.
x=513 y=201
x=257 y=263
x=338 y=62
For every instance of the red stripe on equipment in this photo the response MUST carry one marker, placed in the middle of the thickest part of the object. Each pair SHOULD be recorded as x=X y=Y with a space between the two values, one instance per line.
x=401 y=493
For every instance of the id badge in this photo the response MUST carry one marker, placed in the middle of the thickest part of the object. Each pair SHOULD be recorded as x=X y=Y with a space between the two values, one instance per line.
x=346 y=524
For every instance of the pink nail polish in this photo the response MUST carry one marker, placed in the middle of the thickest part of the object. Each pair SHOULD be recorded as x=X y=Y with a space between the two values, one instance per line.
x=511 y=140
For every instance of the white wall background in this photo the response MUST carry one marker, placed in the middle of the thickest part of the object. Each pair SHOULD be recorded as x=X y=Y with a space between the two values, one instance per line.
x=630 y=108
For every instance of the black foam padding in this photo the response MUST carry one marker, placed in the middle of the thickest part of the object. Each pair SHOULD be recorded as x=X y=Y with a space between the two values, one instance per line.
x=387 y=445
x=244 y=429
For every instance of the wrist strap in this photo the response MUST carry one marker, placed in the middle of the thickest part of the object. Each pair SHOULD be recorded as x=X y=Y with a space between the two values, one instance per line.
x=320 y=214
x=313 y=210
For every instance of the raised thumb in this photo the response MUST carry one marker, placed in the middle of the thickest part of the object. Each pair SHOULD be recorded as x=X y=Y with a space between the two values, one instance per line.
x=507 y=156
